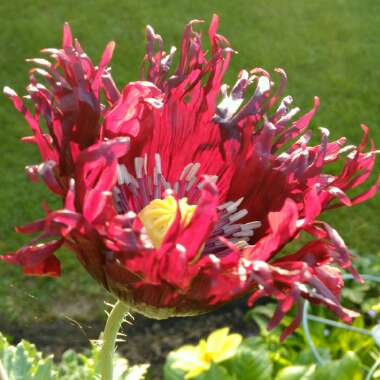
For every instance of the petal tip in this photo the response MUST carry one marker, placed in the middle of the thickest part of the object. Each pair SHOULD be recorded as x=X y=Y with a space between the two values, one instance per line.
x=9 y=92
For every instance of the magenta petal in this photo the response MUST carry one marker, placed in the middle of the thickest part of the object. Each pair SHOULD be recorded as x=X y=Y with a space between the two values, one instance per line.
x=124 y=118
x=67 y=36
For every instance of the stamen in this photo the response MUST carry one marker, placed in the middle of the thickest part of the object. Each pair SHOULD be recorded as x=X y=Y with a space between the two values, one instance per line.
x=139 y=163
x=193 y=171
x=120 y=174
x=240 y=214
x=251 y=225
x=235 y=241
x=234 y=206
x=247 y=233
x=185 y=171
x=190 y=183
x=137 y=192
x=225 y=205
x=230 y=229
x=241 y=244
x=212 y=178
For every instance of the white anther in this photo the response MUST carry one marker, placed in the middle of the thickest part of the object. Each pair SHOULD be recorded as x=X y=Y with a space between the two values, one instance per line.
x=185 y=171
x=228 y=229
x=213 y=178
x=240 y=214
x=139 y=163
x=157 y=159
x=225 y=205
x=243 y=233
x=251 y=225
x=234 y=205
x=190 y=183
x=120 y=174
x=193 y=171
x=129 y=178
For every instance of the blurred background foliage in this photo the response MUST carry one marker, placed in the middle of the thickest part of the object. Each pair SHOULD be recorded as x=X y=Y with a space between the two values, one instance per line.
x=328 y=48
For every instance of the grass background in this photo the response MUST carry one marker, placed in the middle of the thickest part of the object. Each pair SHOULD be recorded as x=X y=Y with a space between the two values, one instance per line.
x=328 y=48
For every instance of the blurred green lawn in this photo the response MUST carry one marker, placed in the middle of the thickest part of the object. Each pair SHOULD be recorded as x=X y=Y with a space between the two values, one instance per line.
x=328 y=48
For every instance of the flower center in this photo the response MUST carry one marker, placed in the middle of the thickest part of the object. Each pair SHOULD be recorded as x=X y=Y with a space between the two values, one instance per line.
x=158 y=216
x=142 y=193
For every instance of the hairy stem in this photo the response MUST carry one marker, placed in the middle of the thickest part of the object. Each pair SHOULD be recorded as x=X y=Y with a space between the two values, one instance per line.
x=113 y=324
x=3 y=375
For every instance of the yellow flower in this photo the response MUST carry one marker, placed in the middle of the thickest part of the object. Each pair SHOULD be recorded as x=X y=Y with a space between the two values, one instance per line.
x=194 y=360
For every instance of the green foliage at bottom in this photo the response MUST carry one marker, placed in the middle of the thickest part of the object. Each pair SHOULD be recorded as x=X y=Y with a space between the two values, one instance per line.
x=25 y=362
x=249 y=363
x=346 y=355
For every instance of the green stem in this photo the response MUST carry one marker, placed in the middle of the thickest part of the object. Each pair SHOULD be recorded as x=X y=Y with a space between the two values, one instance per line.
x=338 y=324
x=113 y=324
x=372 y=370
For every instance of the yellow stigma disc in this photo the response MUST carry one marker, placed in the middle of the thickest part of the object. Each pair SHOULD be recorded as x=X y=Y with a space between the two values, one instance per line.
x=158 y=216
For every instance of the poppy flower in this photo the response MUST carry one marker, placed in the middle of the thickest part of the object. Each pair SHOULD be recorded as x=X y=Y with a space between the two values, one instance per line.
x=178 y=193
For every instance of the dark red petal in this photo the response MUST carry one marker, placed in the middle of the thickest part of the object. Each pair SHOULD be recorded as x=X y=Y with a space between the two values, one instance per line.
x=282 y=226
x=50 y=267
x=96 y=171
x=37 y=259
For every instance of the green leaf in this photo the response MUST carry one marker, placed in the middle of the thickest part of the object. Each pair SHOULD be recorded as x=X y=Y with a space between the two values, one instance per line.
x=298 y=372
x=216 y=372
x=250 y=364
x=45 y=369
x=171 y=373
x=24 y=362
x=137 y=372
x=22 y=365
x=346 y=368
x=306 y=357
